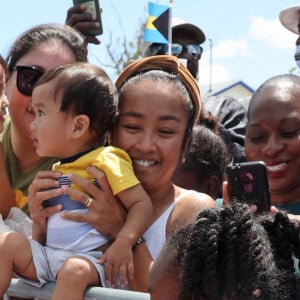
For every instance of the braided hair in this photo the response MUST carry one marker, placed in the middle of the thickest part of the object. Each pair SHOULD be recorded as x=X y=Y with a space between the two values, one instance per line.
x=235 y=254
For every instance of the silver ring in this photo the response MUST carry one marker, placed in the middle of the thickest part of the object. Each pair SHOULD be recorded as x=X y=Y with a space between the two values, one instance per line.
x=88 y=201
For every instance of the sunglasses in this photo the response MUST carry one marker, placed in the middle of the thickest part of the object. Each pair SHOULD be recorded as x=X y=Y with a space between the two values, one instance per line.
x=26 y=78
x=193 y=50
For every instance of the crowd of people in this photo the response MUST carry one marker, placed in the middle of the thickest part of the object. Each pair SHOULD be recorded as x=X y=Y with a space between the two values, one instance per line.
x=121 y=181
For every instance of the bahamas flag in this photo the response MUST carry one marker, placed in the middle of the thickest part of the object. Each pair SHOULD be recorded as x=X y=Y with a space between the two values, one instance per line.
x=157 y=25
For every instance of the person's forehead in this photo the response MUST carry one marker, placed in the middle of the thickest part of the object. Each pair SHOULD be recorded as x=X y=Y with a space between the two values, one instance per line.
x=154 y=96
x=274 y=104
x=48 y=55
x=152 y=86
x=282 y=92
x=48 y=89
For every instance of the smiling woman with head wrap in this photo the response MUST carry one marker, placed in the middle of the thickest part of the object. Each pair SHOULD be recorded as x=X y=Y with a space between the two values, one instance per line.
x=159 y=102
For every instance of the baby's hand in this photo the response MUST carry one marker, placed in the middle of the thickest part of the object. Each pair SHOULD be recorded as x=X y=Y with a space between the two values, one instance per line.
x=118 y=260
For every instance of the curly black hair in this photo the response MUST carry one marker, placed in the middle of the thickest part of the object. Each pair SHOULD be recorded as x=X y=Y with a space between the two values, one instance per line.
x=234 y=254
x=206 y=156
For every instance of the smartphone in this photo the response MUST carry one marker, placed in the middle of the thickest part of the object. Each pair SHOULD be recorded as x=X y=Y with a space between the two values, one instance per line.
x=248 y=183
x=93 y=7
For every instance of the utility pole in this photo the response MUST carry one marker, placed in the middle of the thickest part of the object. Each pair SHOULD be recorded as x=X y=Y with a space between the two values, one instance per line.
x=210 y=64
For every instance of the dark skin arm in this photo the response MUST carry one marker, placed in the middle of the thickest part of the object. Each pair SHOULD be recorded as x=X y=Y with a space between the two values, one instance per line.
x=82 y=21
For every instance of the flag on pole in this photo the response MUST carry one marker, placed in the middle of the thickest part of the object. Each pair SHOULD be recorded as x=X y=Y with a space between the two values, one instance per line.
x=157 y=26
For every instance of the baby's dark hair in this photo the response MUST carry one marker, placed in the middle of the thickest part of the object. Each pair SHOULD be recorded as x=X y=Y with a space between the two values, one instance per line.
x=85 y=89
x=232 y=253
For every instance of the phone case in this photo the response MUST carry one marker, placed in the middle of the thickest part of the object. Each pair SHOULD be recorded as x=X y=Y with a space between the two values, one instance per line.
x=93 y=7
x=248 y=183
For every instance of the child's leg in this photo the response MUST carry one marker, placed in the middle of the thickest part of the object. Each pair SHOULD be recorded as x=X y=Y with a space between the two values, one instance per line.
x=74 y=276
x=15 y=256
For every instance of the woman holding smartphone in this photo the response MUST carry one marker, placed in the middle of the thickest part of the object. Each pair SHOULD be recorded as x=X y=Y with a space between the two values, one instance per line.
x=273 y=136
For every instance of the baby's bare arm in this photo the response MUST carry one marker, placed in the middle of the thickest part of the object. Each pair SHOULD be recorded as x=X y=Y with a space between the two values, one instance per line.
x=139 y=207
x=118 y=260
x=119 y=256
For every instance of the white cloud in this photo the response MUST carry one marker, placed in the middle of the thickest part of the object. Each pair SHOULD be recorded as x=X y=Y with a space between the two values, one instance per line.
x=262 y=32
x=218 y=73
x=231 y=48
x=272 y=32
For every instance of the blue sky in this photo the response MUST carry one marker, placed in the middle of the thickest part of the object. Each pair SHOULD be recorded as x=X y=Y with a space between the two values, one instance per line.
x=249 y=43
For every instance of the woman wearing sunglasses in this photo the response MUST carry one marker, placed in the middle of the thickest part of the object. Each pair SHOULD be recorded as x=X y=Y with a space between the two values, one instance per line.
x=36 y=51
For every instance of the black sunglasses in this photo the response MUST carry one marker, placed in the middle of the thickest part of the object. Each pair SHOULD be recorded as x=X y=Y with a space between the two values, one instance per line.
x=193 y=50
x=26 y=78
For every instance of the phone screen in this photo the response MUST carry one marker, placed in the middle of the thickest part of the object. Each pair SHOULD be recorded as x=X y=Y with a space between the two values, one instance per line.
x=248 y=183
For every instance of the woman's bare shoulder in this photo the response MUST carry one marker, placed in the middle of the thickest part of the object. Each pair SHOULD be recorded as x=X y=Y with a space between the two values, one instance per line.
x=187 y=207
x=194 y=199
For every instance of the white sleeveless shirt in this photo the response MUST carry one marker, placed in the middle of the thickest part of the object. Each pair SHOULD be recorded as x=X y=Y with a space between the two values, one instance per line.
x=155 y=236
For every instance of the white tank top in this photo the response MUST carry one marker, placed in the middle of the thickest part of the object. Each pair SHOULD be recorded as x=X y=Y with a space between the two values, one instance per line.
x=155 y=236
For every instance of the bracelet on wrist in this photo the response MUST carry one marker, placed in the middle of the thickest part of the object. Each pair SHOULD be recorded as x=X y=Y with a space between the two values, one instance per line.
x=138 y=242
